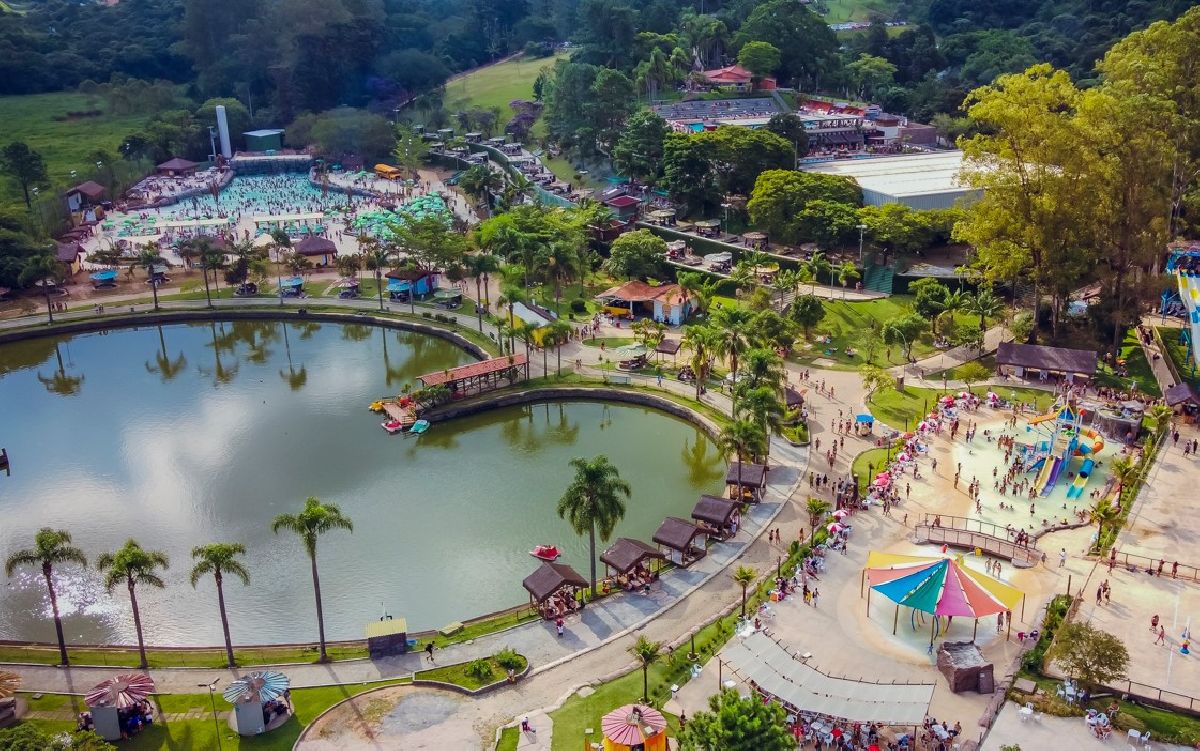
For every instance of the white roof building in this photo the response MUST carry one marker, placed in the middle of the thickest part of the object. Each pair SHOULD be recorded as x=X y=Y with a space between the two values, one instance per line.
x=921 y=181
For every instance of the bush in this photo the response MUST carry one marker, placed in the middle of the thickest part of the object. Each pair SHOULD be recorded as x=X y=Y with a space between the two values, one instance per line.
x=578 y=305
x=1056 y=611
x=480 y=669
x=508 y=659
x=1128 y=722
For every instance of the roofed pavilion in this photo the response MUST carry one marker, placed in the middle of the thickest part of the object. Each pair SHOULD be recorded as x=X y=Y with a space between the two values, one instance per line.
x=478 y=377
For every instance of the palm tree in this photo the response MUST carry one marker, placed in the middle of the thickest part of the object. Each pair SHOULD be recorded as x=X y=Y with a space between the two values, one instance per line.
x=816 y=509
x=984 y=304
x=732 y=324
x=480 y=264
x=1104 y=513
x=787 y=280
x=948 y=306
x=1160 y=416
x=557 y=333
x=763 y=367
x=43 y=269
x=818 y=265
x=316 y=519
x=648 y=652
x=593 y=503
x=211 y=259
x=763 y=406
x=847 y=273
x=744 y=576
x=700 y=288
x=1126 y=472
x=148 y=258
x=133 y=565
x=745 y=439
x=218 y=559
x=376 y=260
x=702 y=341
x=562 y=264
x=51 y=547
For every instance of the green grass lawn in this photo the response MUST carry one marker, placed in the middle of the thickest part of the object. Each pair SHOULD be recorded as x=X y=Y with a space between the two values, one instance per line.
x=1135 y=363
x=841 y=11
x=894 y=407
x=496 y=86
x=509 y=738
x=951 y=374
x=866 y=465
x=459 y=675
x=65 y=144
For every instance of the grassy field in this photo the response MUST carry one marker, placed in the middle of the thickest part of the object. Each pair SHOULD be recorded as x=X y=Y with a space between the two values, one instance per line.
x=458 y=674
x=894 y=407
x=841 y=11
x=65 y=144
x=496 y=86
x=1135 y=363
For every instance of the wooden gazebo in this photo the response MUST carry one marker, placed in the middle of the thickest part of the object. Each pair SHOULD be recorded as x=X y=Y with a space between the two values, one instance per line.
x=631 y=560
x=552 y=588
x=677 y=538
x=718 y=517
x=751 y=478
x=478 y=377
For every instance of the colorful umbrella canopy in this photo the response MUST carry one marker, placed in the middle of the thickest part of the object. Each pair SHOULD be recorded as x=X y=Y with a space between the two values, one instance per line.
x=9 y=684
x=632 y=724
x=835 y=527
x=260 y=685
x=840 y=513
x=942 y=586
x=121 y=691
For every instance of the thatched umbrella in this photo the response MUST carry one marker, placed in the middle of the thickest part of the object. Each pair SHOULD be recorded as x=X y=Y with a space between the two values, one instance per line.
x=10 y=683
x=121 y=691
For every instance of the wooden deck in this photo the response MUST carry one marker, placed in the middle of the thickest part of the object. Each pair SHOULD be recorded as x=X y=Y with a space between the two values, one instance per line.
x=1021 y=557
x=405 y=415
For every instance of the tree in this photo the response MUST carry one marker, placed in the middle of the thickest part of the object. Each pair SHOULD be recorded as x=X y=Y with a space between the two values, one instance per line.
x=973 y=372
x=790 y=128
x=592 y=503
x=875 y=380
x=1021 y=326
x=1126 y=472
x=51 y=547
x=746 y=440
x=869 y=342
x=816 y=509
x=829 y=224
x=818 y=264
x=42 y=269
x=26 y=737
x=984 y=304
x=1160 y=416
x=703 y=342
x=744 y=576
x=636 y=255
x=734 y=723
x=779 y=195
x=377 y=259
x=133 y=565
x=647 y=652
x=218 y=559
x=1103 y=513
x=557 y=334
x=808 y=47
x=731 y=326
x=1084 y=652
x=24 y=166
x=410 y=150
x=871 y=74
x=699 y=287
x=638 y=152
x=807 y=311
x=847 y=273
x=760 y=58
x=763 y=405
x=148 y=258
x=314 y=520
x=904 y=330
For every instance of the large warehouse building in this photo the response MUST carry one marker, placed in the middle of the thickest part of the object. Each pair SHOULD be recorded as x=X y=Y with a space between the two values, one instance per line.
x=922 y=181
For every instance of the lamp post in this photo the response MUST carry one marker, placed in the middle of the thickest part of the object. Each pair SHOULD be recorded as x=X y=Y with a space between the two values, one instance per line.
x=862 y=230
x=213 y=701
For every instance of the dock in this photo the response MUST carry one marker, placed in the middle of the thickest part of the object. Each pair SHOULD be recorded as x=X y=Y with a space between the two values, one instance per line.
x=405 y=415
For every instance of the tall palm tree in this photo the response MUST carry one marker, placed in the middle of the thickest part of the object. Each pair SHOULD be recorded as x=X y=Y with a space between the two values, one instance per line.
x=147 y=259
x=375 y=258
x=557 y=333
x=562 y=263
x=984 y=304
x=51 y=547
x=316 y=519
x=41 y=269
x=218 y=559
x=818 y=265
x=745 y=439
x=1104 y=513
x=211 y=259
x=593 y=503
x=762 y=367
x=732 y=325
x=953 y=302
x=847 y=273
x=744 y=576
x=817 y=509
x=787 y=280
x=1126 y=472
x=480 y=264
x=1160 y=416
x=699 y=288
x=702 y=341
x=647 y=652
x=134 y=565
x=763 y=406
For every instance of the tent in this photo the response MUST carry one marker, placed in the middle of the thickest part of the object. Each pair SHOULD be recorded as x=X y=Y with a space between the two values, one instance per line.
x=634 y=726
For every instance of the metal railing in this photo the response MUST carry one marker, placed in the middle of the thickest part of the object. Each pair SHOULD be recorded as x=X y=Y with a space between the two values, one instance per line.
x=1147 y=693
x=962 y=538
x=967 y=523
x=1135 y=562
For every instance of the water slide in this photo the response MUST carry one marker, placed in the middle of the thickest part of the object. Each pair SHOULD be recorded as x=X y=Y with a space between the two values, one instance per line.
x=1055 y=470
x=1189 y=294
x=1076 y=489
x=1047 y=467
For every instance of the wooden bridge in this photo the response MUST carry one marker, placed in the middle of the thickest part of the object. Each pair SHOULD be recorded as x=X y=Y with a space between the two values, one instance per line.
x=1021 y=556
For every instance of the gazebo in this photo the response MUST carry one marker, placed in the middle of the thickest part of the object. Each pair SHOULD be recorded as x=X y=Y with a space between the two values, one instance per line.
x=755 y=240
x=718 y=517
x=630 y=559
x=320 y=249
x=176 y=167
x=751 y=478
x=11 y=708
x=261 y=702
x=634 y=727
x=552 y=588
x=116 y=701
x=677 y=538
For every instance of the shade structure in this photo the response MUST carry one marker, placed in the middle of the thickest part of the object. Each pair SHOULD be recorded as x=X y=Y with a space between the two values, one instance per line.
x=104 y=276
x=630 y=351
x=121 y=691
x=840 y=513
x=835 y=527
x=941 y=586
x=633 y=725
x=260 y=685
x=10 y=683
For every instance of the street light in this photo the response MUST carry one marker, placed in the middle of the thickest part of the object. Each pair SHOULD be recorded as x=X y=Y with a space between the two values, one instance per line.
x=862 y=229
x=213 y=701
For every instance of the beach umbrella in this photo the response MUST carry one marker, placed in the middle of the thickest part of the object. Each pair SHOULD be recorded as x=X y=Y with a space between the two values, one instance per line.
x=10 y=683
x=840 y=513
x=632 y=725
x=835 y=527
x=121 y=691
x=948 y=400
x=260 y=685
x=883 y=476
x=940 y=586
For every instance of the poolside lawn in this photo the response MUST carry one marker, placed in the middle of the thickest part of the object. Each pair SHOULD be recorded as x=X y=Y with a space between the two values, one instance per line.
x=866 y=464
x=900 y=407
x=1135 y=363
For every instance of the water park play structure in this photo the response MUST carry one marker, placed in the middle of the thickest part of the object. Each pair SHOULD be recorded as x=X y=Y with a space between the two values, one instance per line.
x=1061 y=436
x=1184 y=261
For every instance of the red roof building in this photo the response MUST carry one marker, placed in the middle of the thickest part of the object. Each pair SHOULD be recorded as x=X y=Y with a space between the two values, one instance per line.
x=736 y=75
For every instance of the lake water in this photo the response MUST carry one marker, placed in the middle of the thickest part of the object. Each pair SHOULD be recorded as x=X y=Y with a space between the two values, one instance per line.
x=188 y=434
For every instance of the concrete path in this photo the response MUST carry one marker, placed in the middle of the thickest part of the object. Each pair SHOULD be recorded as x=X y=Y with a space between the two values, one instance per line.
x=1053 y=732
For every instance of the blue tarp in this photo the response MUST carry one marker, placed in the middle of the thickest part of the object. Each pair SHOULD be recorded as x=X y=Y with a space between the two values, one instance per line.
x=864 y=418
x=398 y=285
x=105 y=276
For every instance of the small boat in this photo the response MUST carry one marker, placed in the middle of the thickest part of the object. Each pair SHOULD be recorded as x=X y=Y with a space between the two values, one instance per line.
x=376 y=407
x=545 y=552
x=418 y=427
x=392 y=426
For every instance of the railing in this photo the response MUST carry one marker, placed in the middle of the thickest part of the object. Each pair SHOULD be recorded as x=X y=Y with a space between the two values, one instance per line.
x=968 y=523
x=1156 y=695
x=1134 y=562
x=962 y=538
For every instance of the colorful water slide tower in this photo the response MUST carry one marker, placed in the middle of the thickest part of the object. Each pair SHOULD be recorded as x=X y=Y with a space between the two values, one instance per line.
x=1183 y=260
x=1061 y=436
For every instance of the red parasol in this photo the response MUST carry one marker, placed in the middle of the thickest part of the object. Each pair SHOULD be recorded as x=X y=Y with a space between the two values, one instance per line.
x=121 y=692
x=632 y=724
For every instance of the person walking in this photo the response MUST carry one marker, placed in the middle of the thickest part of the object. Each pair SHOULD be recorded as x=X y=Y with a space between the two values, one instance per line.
x=1162 y=636
x=429 y=651
x=1062 y=558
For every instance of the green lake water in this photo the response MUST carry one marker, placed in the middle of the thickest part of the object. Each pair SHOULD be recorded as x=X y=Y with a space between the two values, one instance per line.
x=188 y=434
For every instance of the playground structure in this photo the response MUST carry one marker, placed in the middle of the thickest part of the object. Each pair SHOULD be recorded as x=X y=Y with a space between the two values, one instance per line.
x=1061 y=436
x=1183 y=260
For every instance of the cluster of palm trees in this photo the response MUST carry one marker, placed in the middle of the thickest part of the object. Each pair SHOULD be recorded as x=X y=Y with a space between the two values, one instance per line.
x=134 y=566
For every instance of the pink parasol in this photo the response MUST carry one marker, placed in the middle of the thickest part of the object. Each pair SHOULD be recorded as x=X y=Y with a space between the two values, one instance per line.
x=883 y=476
x=840 y=513
x=836 y=527
x=948 y=400
x=121 y=691
x=632 y=724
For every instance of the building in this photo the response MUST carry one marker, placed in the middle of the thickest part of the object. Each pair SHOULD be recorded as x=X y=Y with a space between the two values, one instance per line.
x=624 y=206
x=403 y=281
x=177 y=167
x=319 y=250
x=70 y=257
x=265 y=139
x=696 y=115
x=737 y=77
x=84 y=195
x=1019 y=359
x=920 y=181
x=666 y=303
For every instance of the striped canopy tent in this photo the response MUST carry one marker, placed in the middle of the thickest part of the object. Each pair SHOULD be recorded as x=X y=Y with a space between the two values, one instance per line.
x=941 y=586
x=10 y=683
x=260 y=685
x=634 y=726
x=121 y=691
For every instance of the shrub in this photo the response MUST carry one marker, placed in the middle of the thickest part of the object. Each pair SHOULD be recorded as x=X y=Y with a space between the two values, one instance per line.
x=508 y=659
x=480 y=669
x=578 y=305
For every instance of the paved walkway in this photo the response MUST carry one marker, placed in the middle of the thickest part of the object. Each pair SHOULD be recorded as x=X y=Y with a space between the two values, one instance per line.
x=1051 y=732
